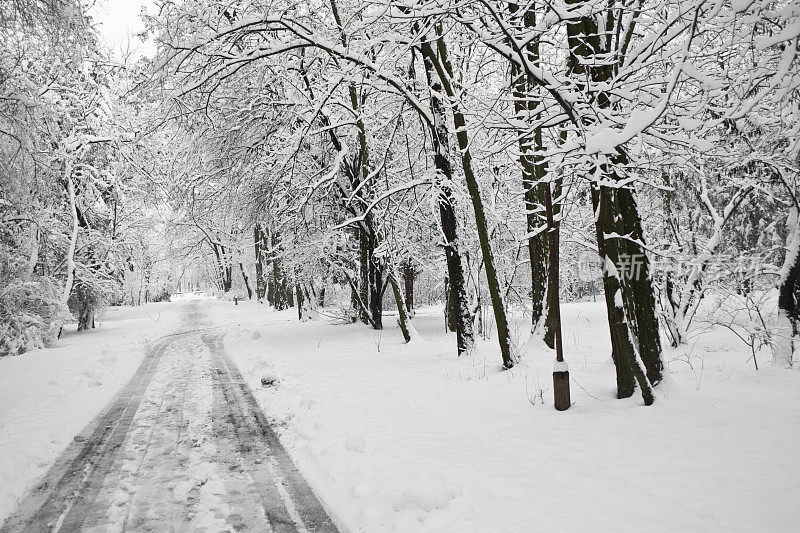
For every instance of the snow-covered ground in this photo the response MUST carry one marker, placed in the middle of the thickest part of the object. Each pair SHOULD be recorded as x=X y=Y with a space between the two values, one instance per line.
x=398 y=437
x=47 y=396
x=409 y=438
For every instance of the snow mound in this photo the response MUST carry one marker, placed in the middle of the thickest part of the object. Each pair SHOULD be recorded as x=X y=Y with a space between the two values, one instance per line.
x=107 y=356
x=428 y=493
x=93 y=380
x=356 y=443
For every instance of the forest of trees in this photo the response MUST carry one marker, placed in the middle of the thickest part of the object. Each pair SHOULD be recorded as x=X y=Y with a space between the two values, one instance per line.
x=507 y=154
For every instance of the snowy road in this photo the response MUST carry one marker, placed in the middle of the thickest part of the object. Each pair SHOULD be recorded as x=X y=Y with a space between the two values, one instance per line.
x=183 y=447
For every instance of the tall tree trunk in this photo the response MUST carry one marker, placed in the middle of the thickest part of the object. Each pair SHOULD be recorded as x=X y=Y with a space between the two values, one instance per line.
x=279 y=291
x=372 y=272
x=444 y=72
x=402 y=319
x=636 y=347
x=246 y=282
x=534 y=172
x=258 y=241
x=364 y=259
x=458 y=313
x=376 y=292
x=408 y=286
x=624 y=353
x=638 y=290
x=73 y=238
x=223 y=266
x=561 y=393
x=788 y=312
x=227 y=279
x=300 y=301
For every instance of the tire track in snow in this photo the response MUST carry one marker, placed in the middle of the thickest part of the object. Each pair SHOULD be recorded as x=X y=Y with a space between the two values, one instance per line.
x=183 y=446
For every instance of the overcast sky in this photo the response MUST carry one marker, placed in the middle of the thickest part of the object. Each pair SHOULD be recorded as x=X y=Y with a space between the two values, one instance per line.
x=118 y=22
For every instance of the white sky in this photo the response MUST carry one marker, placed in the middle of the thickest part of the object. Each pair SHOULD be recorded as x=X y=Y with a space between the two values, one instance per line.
x=118 y=21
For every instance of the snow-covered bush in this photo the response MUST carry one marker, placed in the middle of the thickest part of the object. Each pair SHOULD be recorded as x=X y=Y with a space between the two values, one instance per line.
x=163 y=295
x=30 y=309
x=30 y=314
x=94 y=289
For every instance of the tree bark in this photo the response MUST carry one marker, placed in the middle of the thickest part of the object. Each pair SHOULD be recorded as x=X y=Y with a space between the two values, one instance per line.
x=258 y=241
x=444 y=72
x=788 y=289
x=623 y=351
x=638 y=293
x=636 y=347
x=402 y=319
x=408 y=286
x=458 y=314
x=73 y=238
x=534 y=172
x=246 y=282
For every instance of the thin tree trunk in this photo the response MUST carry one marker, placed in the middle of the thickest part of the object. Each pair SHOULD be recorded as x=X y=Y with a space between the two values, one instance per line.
x=401 y=306
x=300 y=301
x=444 y=71
x=376 y=293
x=73 y=238
x=408 y=286
x=258 y=242
x=458 y=316
x=534 y=171
x=246 y=282
x=363 y=274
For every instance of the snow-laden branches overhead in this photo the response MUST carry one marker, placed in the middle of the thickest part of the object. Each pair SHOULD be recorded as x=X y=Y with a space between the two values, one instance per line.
x=292 y=145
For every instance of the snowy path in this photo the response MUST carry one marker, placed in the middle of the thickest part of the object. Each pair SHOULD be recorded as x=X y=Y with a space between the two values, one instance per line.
x=183 y=447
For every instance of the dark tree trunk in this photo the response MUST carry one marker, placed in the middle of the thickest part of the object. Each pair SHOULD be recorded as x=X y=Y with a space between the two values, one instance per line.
x=223 y=266
x=402 y=317
x=638 y=291
x=636 y=347
x=789 y=295
x=623 y=349
x=443 y=68
x=246 y=282
x=279 y=291
x=364 y=260
x=227 y=280
x=458 y=312
x=408 y=284
x=300 y=301
x=259 y=241
x=376 y=293
x=534 y=171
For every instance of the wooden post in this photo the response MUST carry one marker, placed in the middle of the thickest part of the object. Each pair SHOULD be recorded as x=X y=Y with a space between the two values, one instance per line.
x=561 y=399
